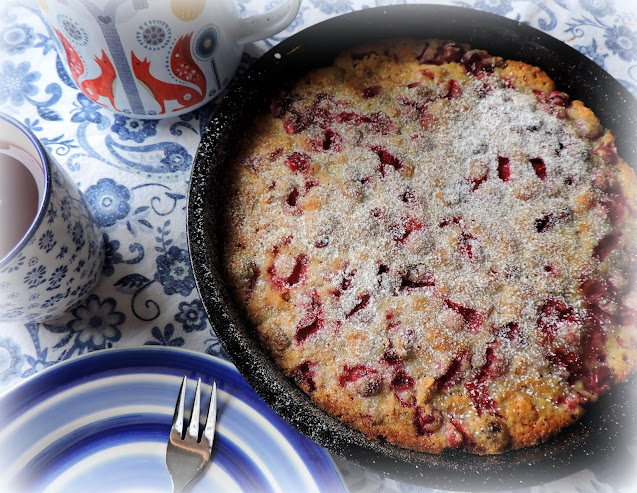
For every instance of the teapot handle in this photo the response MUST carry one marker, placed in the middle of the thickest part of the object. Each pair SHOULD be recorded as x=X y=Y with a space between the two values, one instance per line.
x=264 y=25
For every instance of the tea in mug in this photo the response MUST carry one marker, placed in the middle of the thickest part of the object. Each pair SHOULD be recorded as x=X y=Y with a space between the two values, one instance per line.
x=19 y=200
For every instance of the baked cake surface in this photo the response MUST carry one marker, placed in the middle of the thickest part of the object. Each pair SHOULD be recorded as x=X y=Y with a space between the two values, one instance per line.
x=437 y=246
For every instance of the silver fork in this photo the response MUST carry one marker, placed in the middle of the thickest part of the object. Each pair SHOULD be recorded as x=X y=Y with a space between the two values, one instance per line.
x=187 y=455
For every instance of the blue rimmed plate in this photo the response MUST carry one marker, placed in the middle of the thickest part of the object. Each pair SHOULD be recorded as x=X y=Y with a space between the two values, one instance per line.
x=100 y=423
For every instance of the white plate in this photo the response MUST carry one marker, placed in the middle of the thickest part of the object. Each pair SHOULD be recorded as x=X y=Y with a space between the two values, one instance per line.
x=100 y=422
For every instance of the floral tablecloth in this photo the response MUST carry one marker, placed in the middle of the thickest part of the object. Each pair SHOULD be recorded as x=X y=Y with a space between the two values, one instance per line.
x=135 y=174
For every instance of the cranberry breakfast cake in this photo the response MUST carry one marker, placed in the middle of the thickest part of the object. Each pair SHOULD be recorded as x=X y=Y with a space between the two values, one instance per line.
x=437 y=246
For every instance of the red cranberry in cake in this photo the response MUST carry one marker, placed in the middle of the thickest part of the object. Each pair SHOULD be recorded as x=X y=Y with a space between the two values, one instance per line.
x=550 y=220
x=539 y=167
x=299 y=161
x=469 y=247
x=452 y=52
x=510 y=331
x=329 y=140
x=296 y=271
x=477 y=61
x=312 y=319
x=417 y=276
x=573 y=401
x=462 y=429
x=428 y=74
x=303 y=375
x=479 y=393
x=504 y=168
x=508 y=83
x=371 y=92
x=557 y=98
x=401 y=381
x=360 y=304
x=386 y=159
x=450 y=89
x=436 y=54
x=431 y=54
x=598 y=379
x=608 y=153
x=606 y=246
x=406 y=227
x=455 y=371
x=472 y=317
x=292 y=199
x=478 y=174
x=556 y=316
x=453 y=436
x=366 y=381
x=428 y=420
x=293 y=123
x=377 y=122
x=616 y=208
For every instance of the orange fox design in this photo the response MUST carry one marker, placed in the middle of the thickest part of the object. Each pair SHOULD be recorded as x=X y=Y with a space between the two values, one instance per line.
x=104 y=85
x=184 y=67
x=73 y=59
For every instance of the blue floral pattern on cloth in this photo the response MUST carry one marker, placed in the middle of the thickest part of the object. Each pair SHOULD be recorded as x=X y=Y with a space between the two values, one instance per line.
x=95 y=325
x=133 y=129
x=173 y=272
x=85 y=110
x=16 y=38
x=110 y=201
x=191 y=315
x=17 y=82
x=622 y=41
x=135 y=176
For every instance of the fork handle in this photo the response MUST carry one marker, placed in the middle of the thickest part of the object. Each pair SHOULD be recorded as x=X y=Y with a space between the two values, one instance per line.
x=179 y=483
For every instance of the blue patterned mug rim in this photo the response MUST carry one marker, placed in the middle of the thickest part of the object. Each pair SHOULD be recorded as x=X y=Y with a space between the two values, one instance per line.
x=44 y=204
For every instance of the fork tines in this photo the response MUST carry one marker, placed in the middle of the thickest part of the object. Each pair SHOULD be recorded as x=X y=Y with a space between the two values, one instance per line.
x=187 y=453
x=193 y=427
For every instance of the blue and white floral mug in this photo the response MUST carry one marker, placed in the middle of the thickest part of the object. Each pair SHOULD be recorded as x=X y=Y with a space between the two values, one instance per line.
x=156 y=58
x=51 y=252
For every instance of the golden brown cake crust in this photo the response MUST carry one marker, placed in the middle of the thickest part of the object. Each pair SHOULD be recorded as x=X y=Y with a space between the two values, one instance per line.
x=437 y=246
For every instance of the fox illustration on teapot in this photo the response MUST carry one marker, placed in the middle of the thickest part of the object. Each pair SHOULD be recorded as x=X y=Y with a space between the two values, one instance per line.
x=155 y=59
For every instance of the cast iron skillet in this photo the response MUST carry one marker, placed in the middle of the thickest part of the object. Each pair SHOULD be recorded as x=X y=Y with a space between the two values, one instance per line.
x=600 y=436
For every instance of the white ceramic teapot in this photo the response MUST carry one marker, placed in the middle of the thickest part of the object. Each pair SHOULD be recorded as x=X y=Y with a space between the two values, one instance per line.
x=156 y=58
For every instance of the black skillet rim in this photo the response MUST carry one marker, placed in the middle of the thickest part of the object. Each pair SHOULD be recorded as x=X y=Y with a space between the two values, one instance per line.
x=598 y=436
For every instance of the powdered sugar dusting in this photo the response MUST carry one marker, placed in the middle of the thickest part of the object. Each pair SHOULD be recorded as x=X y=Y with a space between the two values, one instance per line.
x=412 y=235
